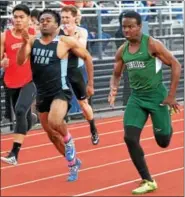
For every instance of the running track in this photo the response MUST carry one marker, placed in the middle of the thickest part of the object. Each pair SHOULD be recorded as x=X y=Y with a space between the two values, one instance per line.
x=106 y=168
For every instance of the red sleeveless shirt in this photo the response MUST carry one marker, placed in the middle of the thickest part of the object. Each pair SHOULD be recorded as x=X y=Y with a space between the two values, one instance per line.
x=16 y=76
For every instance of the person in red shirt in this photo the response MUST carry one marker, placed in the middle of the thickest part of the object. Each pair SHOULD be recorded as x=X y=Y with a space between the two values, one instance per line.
x=68 y=2
x=18 y=80
x=76 y=3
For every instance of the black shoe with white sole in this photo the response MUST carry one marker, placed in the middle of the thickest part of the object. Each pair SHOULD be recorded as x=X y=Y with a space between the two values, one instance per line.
x=10 y=159
x=94 y=138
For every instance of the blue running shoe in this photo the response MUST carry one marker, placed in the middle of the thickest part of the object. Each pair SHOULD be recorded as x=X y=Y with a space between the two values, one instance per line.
x=73 y=174
x=70 y=151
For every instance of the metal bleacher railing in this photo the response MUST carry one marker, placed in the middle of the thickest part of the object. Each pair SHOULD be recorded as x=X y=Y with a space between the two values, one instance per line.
x=163 y=26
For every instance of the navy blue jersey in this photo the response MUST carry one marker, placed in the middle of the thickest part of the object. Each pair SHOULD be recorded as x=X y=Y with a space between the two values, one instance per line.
x=49 y=71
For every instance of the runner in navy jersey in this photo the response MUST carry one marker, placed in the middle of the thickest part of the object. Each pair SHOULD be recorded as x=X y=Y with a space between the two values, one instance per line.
x=49 y=54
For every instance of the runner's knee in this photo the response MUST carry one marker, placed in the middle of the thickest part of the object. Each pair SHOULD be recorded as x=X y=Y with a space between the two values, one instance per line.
x=163 y=140
x=21 y=121
x=131 y=138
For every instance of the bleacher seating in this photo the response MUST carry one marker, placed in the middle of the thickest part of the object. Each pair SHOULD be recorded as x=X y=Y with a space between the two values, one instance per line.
x=162 y=25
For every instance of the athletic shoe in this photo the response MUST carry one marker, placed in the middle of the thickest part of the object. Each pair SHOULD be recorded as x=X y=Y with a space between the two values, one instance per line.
x=10 y=159
x=145 y=187
x=70 y=151
x=73 y=174
x=94 y=138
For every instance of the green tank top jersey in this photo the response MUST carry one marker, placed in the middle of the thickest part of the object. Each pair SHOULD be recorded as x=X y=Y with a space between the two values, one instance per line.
x=144 y=70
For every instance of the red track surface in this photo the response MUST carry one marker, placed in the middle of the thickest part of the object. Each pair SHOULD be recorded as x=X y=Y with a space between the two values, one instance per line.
x=106 y=168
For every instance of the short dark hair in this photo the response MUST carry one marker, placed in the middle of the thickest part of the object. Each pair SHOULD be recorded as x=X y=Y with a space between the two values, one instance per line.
x=135 y=15
x=22 y=7
x=35 y=13
x=55 y=14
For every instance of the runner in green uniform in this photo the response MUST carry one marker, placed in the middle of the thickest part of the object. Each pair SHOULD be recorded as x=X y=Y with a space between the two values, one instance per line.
x=142 y=56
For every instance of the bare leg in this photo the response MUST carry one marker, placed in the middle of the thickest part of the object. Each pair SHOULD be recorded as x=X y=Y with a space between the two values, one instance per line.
x=56 y=122
x=53 y=135
x=58 y=110
x=56 y=116
x=87 y=109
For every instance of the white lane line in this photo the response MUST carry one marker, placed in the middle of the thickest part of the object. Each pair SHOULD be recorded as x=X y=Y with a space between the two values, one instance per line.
x=129 y=182
x=84 y=137
x=72 y=128
x=75 y=127
x=80 y=152
x=86 y=169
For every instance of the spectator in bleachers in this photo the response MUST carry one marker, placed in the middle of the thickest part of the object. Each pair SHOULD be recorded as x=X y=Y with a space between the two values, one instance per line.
x=142 y=11
x=64 y=3
x=151 y=4
x=102 y=5
x=76 y=3
x=68 y=2
x=79 y=4
x=88 y=4
x=141 y=4
x=91 y=24
x=179 y=17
